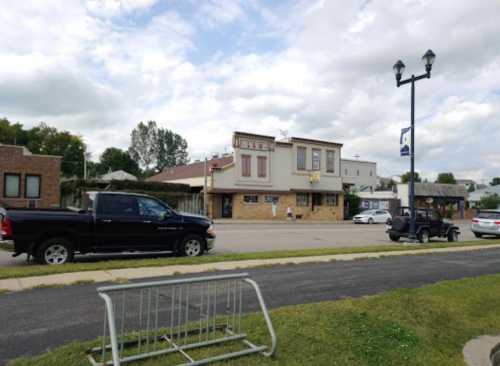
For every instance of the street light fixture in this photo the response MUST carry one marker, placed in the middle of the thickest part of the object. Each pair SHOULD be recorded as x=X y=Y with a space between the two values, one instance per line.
x=399 y=67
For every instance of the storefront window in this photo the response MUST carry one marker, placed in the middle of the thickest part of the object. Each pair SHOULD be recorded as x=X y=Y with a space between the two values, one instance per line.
x=302 y=199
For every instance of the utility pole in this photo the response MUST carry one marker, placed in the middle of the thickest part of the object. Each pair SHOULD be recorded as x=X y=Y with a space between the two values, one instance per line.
x=205 y=188
x=84 y=165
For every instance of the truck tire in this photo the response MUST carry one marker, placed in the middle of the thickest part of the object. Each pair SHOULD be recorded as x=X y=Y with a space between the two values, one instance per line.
x=478 y=235
x=423 y=236
x=394 y=237
x=452 y=235
x=192 y=246
x=400 y=224
x=55 y=251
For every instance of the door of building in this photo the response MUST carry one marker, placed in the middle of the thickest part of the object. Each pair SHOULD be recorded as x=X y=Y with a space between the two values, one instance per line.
x=227 y=206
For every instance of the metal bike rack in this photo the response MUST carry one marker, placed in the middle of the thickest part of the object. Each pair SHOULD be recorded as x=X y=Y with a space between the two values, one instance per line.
x=152 y=319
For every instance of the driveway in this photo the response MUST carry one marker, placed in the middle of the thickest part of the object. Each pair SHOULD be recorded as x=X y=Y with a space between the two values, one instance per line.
x=244 y=238
x=36 y=320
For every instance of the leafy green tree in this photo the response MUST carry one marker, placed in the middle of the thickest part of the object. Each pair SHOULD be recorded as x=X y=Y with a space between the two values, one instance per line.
x=156 y=148
x=143 y=148
x=43 y=139
x=116 y=159
x=471 y=188
x=491 y=202
x=12 y=133
x=495 y=181
x=172 y=150
x=354 y=201
x=446 y=178
x=405 y=178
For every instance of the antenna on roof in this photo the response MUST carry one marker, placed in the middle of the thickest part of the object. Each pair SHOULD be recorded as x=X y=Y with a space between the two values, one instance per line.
x=284 y=134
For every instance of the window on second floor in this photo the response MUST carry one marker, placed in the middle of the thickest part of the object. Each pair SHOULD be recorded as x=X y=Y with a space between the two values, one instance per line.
x=261 y=166
x=357 y=172
x=246 y=165
x=345 y=172
x=301 y=158
x=316 y=159
x=330 y=161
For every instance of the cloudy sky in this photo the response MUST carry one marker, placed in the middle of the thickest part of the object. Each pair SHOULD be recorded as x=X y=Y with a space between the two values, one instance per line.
x=204 y=68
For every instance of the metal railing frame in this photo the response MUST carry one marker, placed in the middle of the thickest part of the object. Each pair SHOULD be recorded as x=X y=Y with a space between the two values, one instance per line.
x=230 y=333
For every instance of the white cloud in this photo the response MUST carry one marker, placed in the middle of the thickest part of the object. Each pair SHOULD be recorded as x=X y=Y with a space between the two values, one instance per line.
x=100 y=67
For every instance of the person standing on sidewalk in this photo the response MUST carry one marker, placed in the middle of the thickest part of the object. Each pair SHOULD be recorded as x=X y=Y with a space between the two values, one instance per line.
x=273 y=208
x=289 y=213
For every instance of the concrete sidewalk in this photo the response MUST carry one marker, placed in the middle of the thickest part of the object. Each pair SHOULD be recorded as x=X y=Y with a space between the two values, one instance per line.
x=19 y=284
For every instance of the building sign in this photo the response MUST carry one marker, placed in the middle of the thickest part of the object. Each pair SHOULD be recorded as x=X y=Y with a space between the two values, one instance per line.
x=249 y=144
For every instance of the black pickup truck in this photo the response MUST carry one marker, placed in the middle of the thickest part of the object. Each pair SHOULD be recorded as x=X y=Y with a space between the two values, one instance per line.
x=109 y=222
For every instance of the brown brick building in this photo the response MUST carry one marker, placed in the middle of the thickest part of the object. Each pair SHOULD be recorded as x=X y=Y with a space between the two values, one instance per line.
x=28 y=180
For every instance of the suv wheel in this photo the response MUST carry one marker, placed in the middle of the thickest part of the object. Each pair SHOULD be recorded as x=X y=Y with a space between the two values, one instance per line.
x=423 y=236
x=55 y=251
x=370 y=221
x=452 y=236
x=477 y=235
x=191 y=246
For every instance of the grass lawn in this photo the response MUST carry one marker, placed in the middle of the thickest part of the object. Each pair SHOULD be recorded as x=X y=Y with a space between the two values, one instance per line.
x=39 y=270
x=425 y=326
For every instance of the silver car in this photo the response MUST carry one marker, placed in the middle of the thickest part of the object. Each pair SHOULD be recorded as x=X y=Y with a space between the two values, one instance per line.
x=372 y=217
x=486 y=222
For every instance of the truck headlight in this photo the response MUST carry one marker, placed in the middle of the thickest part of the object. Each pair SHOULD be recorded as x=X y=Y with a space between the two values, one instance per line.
x=211 y=230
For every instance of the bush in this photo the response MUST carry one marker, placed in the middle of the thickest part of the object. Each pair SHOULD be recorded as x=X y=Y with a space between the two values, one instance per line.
x=491 y=202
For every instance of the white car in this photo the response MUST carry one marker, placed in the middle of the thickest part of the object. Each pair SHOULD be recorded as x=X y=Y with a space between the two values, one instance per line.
x=372 y=217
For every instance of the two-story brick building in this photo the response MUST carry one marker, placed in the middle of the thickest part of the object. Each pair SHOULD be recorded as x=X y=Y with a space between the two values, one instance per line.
x=28 y=180
x=303 y=174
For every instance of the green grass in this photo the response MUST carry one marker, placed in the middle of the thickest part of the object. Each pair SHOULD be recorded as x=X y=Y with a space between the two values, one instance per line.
x=425 y=326
x=39 y=270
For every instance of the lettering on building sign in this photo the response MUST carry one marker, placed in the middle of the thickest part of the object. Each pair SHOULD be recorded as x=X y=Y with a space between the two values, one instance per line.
x=254 y=145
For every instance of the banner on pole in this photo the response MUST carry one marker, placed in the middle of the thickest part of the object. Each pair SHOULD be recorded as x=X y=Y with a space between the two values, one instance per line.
x=405 y=141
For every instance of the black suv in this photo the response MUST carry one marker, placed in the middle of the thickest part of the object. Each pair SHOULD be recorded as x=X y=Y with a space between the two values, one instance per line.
x=428 y=224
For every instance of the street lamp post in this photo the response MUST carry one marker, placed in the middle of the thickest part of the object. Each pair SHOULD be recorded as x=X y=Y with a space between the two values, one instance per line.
x=428 y=59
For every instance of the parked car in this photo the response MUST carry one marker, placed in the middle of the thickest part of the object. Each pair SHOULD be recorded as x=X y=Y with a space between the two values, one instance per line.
x=429 y=224
x=372 y=217
x=109 y=222
x=486 y=222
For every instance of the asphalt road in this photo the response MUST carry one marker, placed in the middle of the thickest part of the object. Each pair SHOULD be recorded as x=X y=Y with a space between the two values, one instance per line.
x=241 y=238
x=35 y=320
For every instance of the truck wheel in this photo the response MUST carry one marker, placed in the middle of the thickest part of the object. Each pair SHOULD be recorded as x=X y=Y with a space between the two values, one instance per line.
x=191 y=246
x=477 y=235
x=423 y=236
x=394 y=237
x=55 y=251
x=452 y=236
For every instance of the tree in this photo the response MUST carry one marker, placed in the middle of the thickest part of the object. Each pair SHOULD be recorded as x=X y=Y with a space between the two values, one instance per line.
x=405 y=178
x=156 y=148
x=354 y=202
x=495 y=181
x=143 y=148
x=446 y=178
x=43 y=139
x=116 y=159
x=471 y=188
x=172 y=150
x=12 y=133
x=491 y=202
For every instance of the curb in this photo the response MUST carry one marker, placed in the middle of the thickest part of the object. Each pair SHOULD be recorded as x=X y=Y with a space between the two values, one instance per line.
x=24 y=283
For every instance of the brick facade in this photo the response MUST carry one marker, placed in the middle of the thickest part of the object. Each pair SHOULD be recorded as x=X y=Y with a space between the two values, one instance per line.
x=262 y=210
x=18 y=160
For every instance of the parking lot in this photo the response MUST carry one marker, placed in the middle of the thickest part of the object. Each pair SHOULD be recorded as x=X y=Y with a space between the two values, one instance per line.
x=243 y=237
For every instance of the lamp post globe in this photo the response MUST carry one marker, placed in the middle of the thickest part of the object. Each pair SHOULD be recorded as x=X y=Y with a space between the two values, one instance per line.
x=398 y=68
x=428 y=60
